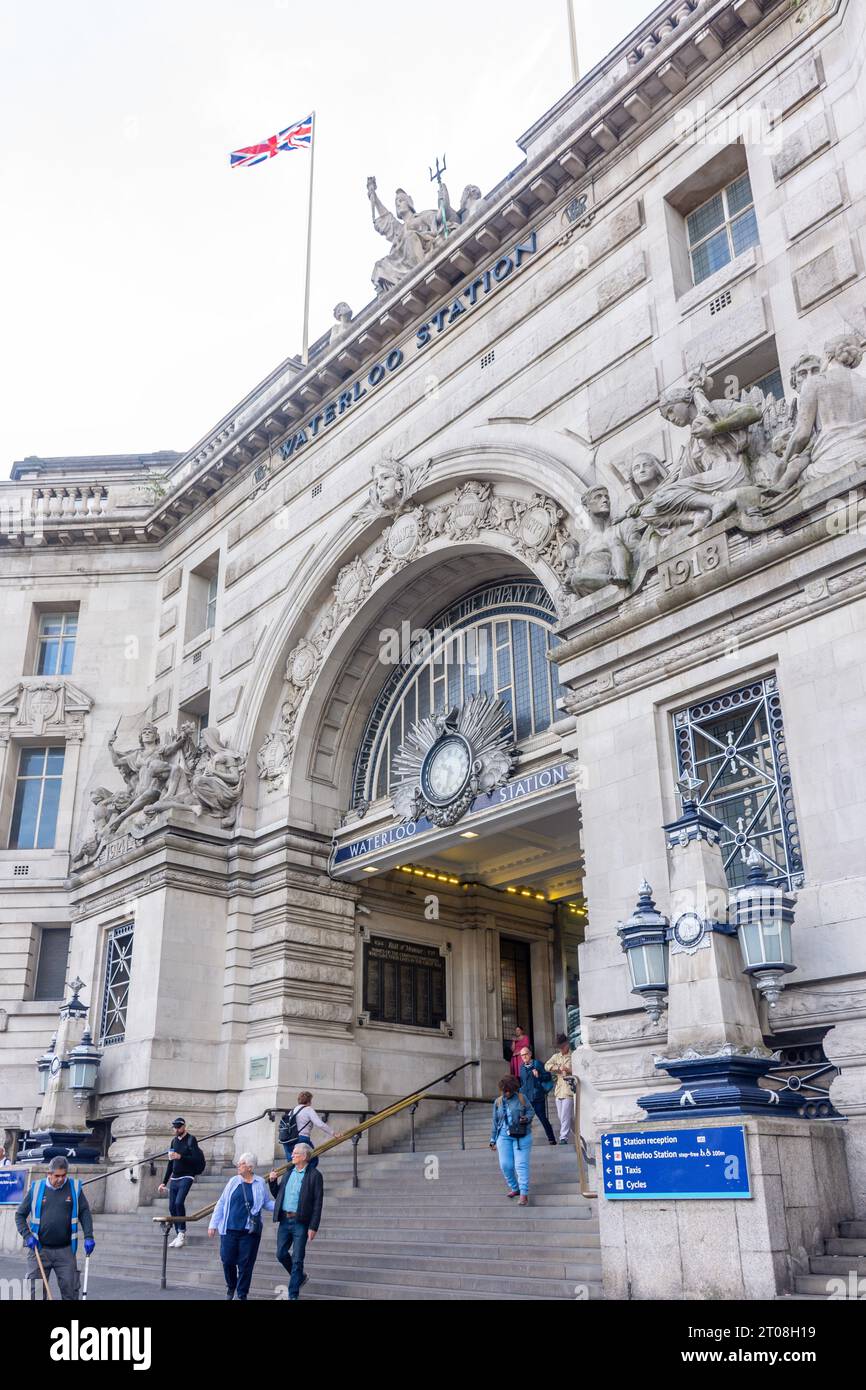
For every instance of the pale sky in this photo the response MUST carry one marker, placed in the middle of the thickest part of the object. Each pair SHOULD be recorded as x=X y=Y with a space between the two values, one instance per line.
x=146 y=285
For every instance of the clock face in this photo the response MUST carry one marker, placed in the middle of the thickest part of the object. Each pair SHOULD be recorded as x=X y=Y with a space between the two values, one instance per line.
x=446 y=769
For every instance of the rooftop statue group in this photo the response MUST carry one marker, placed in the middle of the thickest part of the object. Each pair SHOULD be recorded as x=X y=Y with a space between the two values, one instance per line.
x=413 y=235
x=749 y=456
x=205 y=777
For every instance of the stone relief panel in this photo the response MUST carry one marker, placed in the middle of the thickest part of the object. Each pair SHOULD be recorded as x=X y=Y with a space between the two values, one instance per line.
x=206 y=778
x=42 y=705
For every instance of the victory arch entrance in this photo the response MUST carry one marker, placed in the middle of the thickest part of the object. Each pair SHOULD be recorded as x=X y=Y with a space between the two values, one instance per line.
x=464 y=833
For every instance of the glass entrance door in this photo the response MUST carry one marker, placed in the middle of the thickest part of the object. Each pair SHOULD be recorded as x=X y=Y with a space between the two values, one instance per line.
x=516 y=987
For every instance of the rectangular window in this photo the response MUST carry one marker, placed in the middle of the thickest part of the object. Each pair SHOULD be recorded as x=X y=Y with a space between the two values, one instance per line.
x=118 y=968
x=722 y=228
x=37 y=798
x=57 y=633
x=51 y=968
x=404 y=982
x=735 y=743
x=212 y=587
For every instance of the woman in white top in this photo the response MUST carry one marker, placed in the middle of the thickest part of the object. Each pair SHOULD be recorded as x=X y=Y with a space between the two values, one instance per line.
x=305 y=1119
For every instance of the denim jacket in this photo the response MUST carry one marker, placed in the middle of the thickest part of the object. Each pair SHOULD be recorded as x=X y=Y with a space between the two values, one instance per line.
x=506 y=1112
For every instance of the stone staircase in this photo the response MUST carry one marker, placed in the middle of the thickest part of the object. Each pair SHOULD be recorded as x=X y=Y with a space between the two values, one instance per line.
x=402 y=1234
x=843 y=1261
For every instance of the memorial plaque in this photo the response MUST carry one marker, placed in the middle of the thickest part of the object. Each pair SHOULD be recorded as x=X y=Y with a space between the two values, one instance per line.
x=676 y=1164
x=404 y=982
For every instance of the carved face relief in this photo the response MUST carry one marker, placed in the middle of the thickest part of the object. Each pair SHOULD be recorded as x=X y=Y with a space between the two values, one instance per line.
x=389 y=488
x=676 y=413
x=645 y=470
x=597 y=502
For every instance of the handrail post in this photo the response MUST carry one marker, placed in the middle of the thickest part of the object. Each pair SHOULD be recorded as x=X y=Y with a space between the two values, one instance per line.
x=166 y=1229
x=461 y=1106
x=356 y=1139
x=412 y=1109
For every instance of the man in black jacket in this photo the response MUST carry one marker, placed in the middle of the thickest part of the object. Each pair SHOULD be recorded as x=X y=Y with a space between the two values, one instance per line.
x=184 y=1164
x=48 y=1220
x=298 y=1209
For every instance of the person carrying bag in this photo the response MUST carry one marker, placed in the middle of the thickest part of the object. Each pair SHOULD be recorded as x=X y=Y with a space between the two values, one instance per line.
x=511 y=1136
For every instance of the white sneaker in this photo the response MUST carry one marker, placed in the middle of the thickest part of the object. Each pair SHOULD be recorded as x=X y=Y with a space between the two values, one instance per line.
x=179 y=1241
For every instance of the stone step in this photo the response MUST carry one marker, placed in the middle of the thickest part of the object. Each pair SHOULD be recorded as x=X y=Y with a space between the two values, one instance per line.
x=813 y=1284
x=321 y=1270
x=200 y=1263
x=838 y=1265
x=361 y=1226
x=846 y=1245
x=408 y=1239
x=854 y=1230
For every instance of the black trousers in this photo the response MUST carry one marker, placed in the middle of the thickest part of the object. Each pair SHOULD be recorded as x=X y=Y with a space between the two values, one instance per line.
x=540 y=1108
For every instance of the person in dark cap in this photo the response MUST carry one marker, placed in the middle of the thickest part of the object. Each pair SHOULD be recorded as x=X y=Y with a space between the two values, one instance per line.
x=185 y=1162
x=48 y=1220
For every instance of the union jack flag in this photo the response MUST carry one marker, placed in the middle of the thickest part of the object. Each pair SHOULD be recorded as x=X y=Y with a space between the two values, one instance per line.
x=295 y=137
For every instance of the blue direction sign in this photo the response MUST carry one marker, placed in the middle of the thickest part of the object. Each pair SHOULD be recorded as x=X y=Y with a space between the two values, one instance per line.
x=681 y=1163
x=13 y=1185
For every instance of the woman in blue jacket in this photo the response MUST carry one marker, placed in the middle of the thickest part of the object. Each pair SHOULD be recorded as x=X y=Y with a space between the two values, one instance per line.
x=511 y=1136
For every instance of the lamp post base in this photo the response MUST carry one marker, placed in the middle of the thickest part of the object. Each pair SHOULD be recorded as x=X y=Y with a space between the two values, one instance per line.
x=719 y=1083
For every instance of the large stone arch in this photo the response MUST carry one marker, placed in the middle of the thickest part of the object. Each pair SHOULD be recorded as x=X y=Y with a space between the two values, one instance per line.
x=512 y=466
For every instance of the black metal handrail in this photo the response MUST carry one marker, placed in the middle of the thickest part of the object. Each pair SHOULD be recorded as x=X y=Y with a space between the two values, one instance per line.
x=163 y=1153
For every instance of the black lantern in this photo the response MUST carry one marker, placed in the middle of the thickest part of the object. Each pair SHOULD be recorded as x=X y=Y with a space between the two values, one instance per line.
x=644 y=938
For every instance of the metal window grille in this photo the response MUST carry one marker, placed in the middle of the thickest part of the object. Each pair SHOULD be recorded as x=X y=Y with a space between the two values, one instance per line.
x=736 y=744
x=118 y=967
x=317 y=488
x=488 y=357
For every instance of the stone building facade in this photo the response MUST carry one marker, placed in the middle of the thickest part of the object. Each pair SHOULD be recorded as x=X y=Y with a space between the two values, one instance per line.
x=594 y=456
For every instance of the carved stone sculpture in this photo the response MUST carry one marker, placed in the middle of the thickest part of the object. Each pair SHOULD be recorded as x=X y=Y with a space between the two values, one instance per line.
x=218 y=778
x=106 y=805
x=163 y=774
x=412 y=236
x=830 y=430
x=714 y=468
x=145 y=770
x=393 y=486
x=598 y=556
x=343 y=323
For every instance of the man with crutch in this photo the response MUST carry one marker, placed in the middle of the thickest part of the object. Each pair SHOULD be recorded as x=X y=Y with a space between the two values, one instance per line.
x=48 y=1220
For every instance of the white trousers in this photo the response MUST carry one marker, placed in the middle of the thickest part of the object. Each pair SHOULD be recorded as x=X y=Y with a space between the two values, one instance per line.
x=565 y=1111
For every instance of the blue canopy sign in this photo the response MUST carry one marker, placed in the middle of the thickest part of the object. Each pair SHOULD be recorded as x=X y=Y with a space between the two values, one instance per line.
x=680 y=1164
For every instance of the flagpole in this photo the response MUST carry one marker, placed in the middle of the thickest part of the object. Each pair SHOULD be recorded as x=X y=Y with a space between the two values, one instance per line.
x=306 y=338
x=572 y=40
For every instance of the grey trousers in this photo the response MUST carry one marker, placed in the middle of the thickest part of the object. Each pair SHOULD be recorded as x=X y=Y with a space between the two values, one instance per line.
x=65 y=1266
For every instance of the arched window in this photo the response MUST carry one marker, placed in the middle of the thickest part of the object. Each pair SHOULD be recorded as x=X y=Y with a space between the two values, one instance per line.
x=495 y=639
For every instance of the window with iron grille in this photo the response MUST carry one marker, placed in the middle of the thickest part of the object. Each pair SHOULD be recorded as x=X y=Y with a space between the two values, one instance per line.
x=118 y=967
x=735 y=743
x=722 y=228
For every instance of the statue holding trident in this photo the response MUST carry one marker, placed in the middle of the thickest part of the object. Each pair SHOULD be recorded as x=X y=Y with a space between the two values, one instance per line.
x=411 y=234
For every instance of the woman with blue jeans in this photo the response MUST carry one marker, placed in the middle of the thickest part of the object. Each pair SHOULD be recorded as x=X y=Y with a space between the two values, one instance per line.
x=511 y=1136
